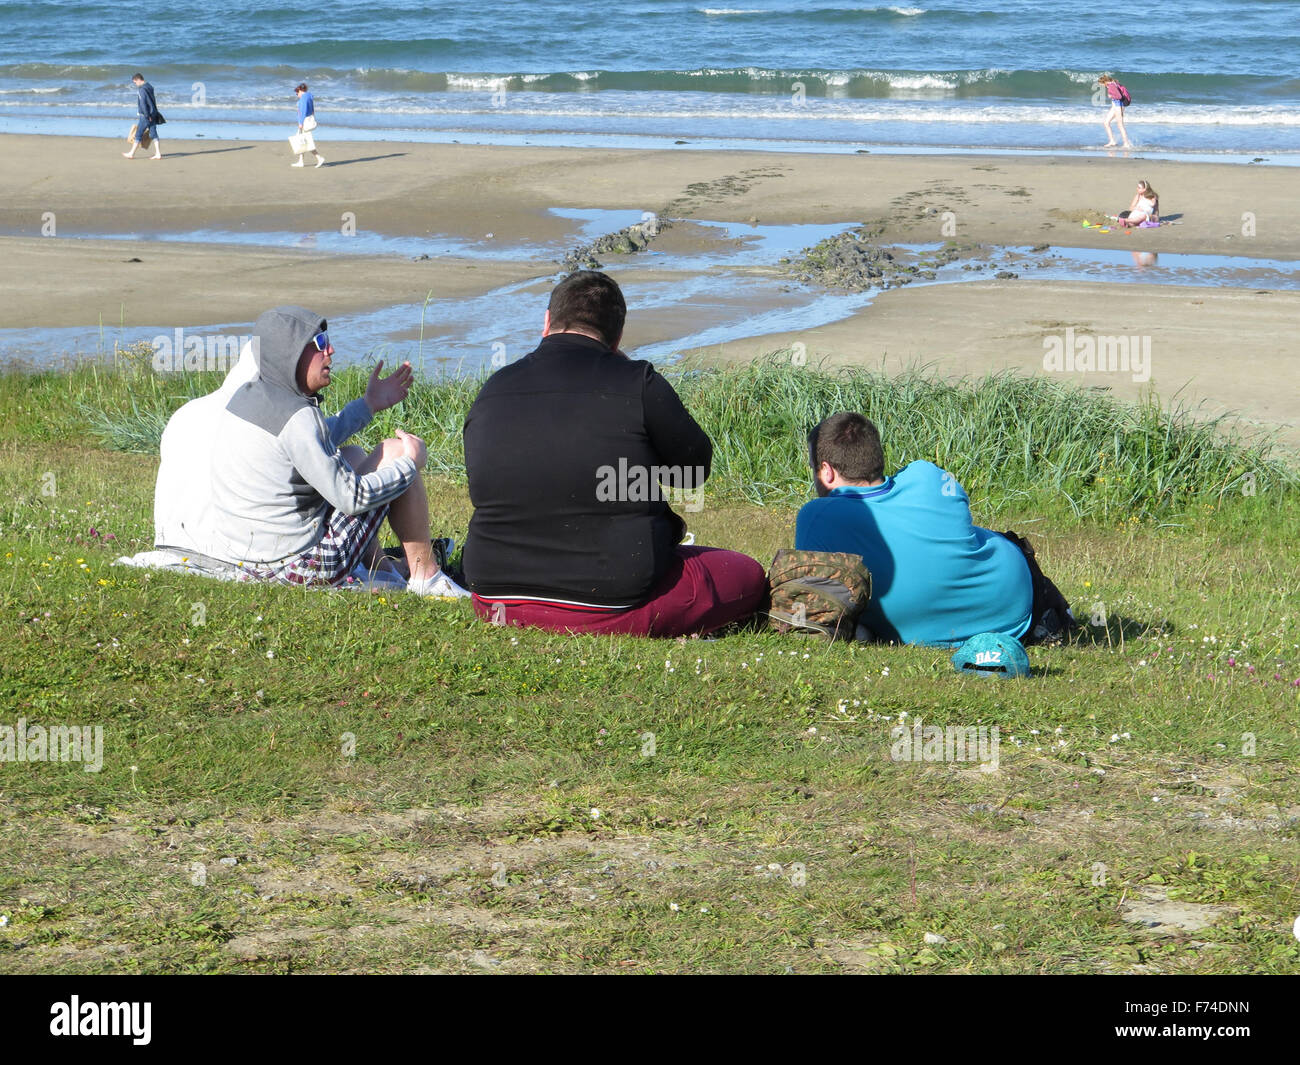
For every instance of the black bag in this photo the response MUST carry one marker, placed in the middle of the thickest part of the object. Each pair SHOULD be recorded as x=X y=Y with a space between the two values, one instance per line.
x=1051 y=620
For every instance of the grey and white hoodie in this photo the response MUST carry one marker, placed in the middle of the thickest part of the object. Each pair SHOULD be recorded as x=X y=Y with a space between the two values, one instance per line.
x=277 y=470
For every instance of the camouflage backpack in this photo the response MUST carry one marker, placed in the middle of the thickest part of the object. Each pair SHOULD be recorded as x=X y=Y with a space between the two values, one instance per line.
x=819 y=593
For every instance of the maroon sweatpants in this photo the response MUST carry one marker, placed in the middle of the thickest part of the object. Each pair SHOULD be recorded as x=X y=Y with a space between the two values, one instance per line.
x=704 y=589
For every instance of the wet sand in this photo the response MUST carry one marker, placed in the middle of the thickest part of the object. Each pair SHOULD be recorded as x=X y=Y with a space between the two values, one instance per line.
x=1233 y=347
x=470 y=190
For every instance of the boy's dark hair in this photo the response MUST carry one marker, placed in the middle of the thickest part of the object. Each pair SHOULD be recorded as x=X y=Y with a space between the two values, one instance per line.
x=851 y=444
x=592 y=300
x=137 y=76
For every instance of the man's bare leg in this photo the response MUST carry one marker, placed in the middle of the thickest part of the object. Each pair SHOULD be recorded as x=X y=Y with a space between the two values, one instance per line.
x=375 y=560
x=408 y=514
x=409 y=517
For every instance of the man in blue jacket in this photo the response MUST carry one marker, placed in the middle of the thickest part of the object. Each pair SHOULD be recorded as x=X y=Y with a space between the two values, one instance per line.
x=147 y=117
x=307 y=120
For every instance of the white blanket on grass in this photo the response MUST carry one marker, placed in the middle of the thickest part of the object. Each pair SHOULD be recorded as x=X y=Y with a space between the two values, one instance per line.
x=201 y=566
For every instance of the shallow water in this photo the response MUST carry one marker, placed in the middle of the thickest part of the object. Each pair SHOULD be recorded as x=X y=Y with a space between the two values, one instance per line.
x=1147 y=267
x=714 y=293
x=335 y=242
x=740 y=244
x=761 y=244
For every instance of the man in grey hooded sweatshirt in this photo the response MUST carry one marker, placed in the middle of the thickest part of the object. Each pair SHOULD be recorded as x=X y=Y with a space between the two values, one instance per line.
x=289 y=502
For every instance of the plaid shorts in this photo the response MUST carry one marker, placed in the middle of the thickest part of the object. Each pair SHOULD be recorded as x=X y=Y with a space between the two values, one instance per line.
x=336 y=555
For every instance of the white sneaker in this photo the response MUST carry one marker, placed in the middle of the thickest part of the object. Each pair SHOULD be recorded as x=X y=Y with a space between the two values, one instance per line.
x=298 y=163
x=439 y=586
x=320 y=161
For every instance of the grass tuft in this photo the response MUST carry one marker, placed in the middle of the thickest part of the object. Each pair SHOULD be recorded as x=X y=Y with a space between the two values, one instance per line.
x=1013 y=441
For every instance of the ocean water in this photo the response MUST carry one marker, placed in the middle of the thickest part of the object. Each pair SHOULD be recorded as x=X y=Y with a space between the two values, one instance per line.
x=1210 y=77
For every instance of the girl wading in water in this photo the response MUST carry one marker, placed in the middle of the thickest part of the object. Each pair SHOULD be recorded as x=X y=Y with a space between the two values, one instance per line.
x=1119 y=99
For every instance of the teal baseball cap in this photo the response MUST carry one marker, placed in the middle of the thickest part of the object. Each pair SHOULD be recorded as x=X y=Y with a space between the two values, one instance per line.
x=990 y=654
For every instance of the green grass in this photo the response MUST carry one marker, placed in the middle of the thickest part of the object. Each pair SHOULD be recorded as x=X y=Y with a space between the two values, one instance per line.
x=1011 y=440
x=768 y=830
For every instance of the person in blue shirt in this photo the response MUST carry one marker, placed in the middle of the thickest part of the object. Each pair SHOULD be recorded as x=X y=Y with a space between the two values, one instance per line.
x=306 y=110
x=147 y=116
x=937 y=578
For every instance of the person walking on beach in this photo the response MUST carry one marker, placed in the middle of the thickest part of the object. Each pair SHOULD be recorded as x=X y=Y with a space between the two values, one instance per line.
x=307 y=120
x=1119 y=99
x=147 y=117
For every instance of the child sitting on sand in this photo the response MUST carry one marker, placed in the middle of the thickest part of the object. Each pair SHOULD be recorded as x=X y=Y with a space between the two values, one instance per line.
x=1144 y=208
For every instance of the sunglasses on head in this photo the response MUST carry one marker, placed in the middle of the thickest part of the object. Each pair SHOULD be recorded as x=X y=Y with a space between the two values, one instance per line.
x=322 y=341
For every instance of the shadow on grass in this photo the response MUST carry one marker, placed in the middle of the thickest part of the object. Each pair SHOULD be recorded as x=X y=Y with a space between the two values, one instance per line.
x=1118 y=630
x=1041 y=672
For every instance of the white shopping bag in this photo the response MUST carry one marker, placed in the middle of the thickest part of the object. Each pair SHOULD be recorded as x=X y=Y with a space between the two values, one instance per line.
x=302 y=143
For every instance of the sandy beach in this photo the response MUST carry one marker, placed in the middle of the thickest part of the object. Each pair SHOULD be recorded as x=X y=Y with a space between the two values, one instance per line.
x=1217 y=352
x=1231 y=347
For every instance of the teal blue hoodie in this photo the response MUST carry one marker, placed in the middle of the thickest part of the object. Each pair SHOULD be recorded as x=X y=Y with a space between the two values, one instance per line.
x=937 y=578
